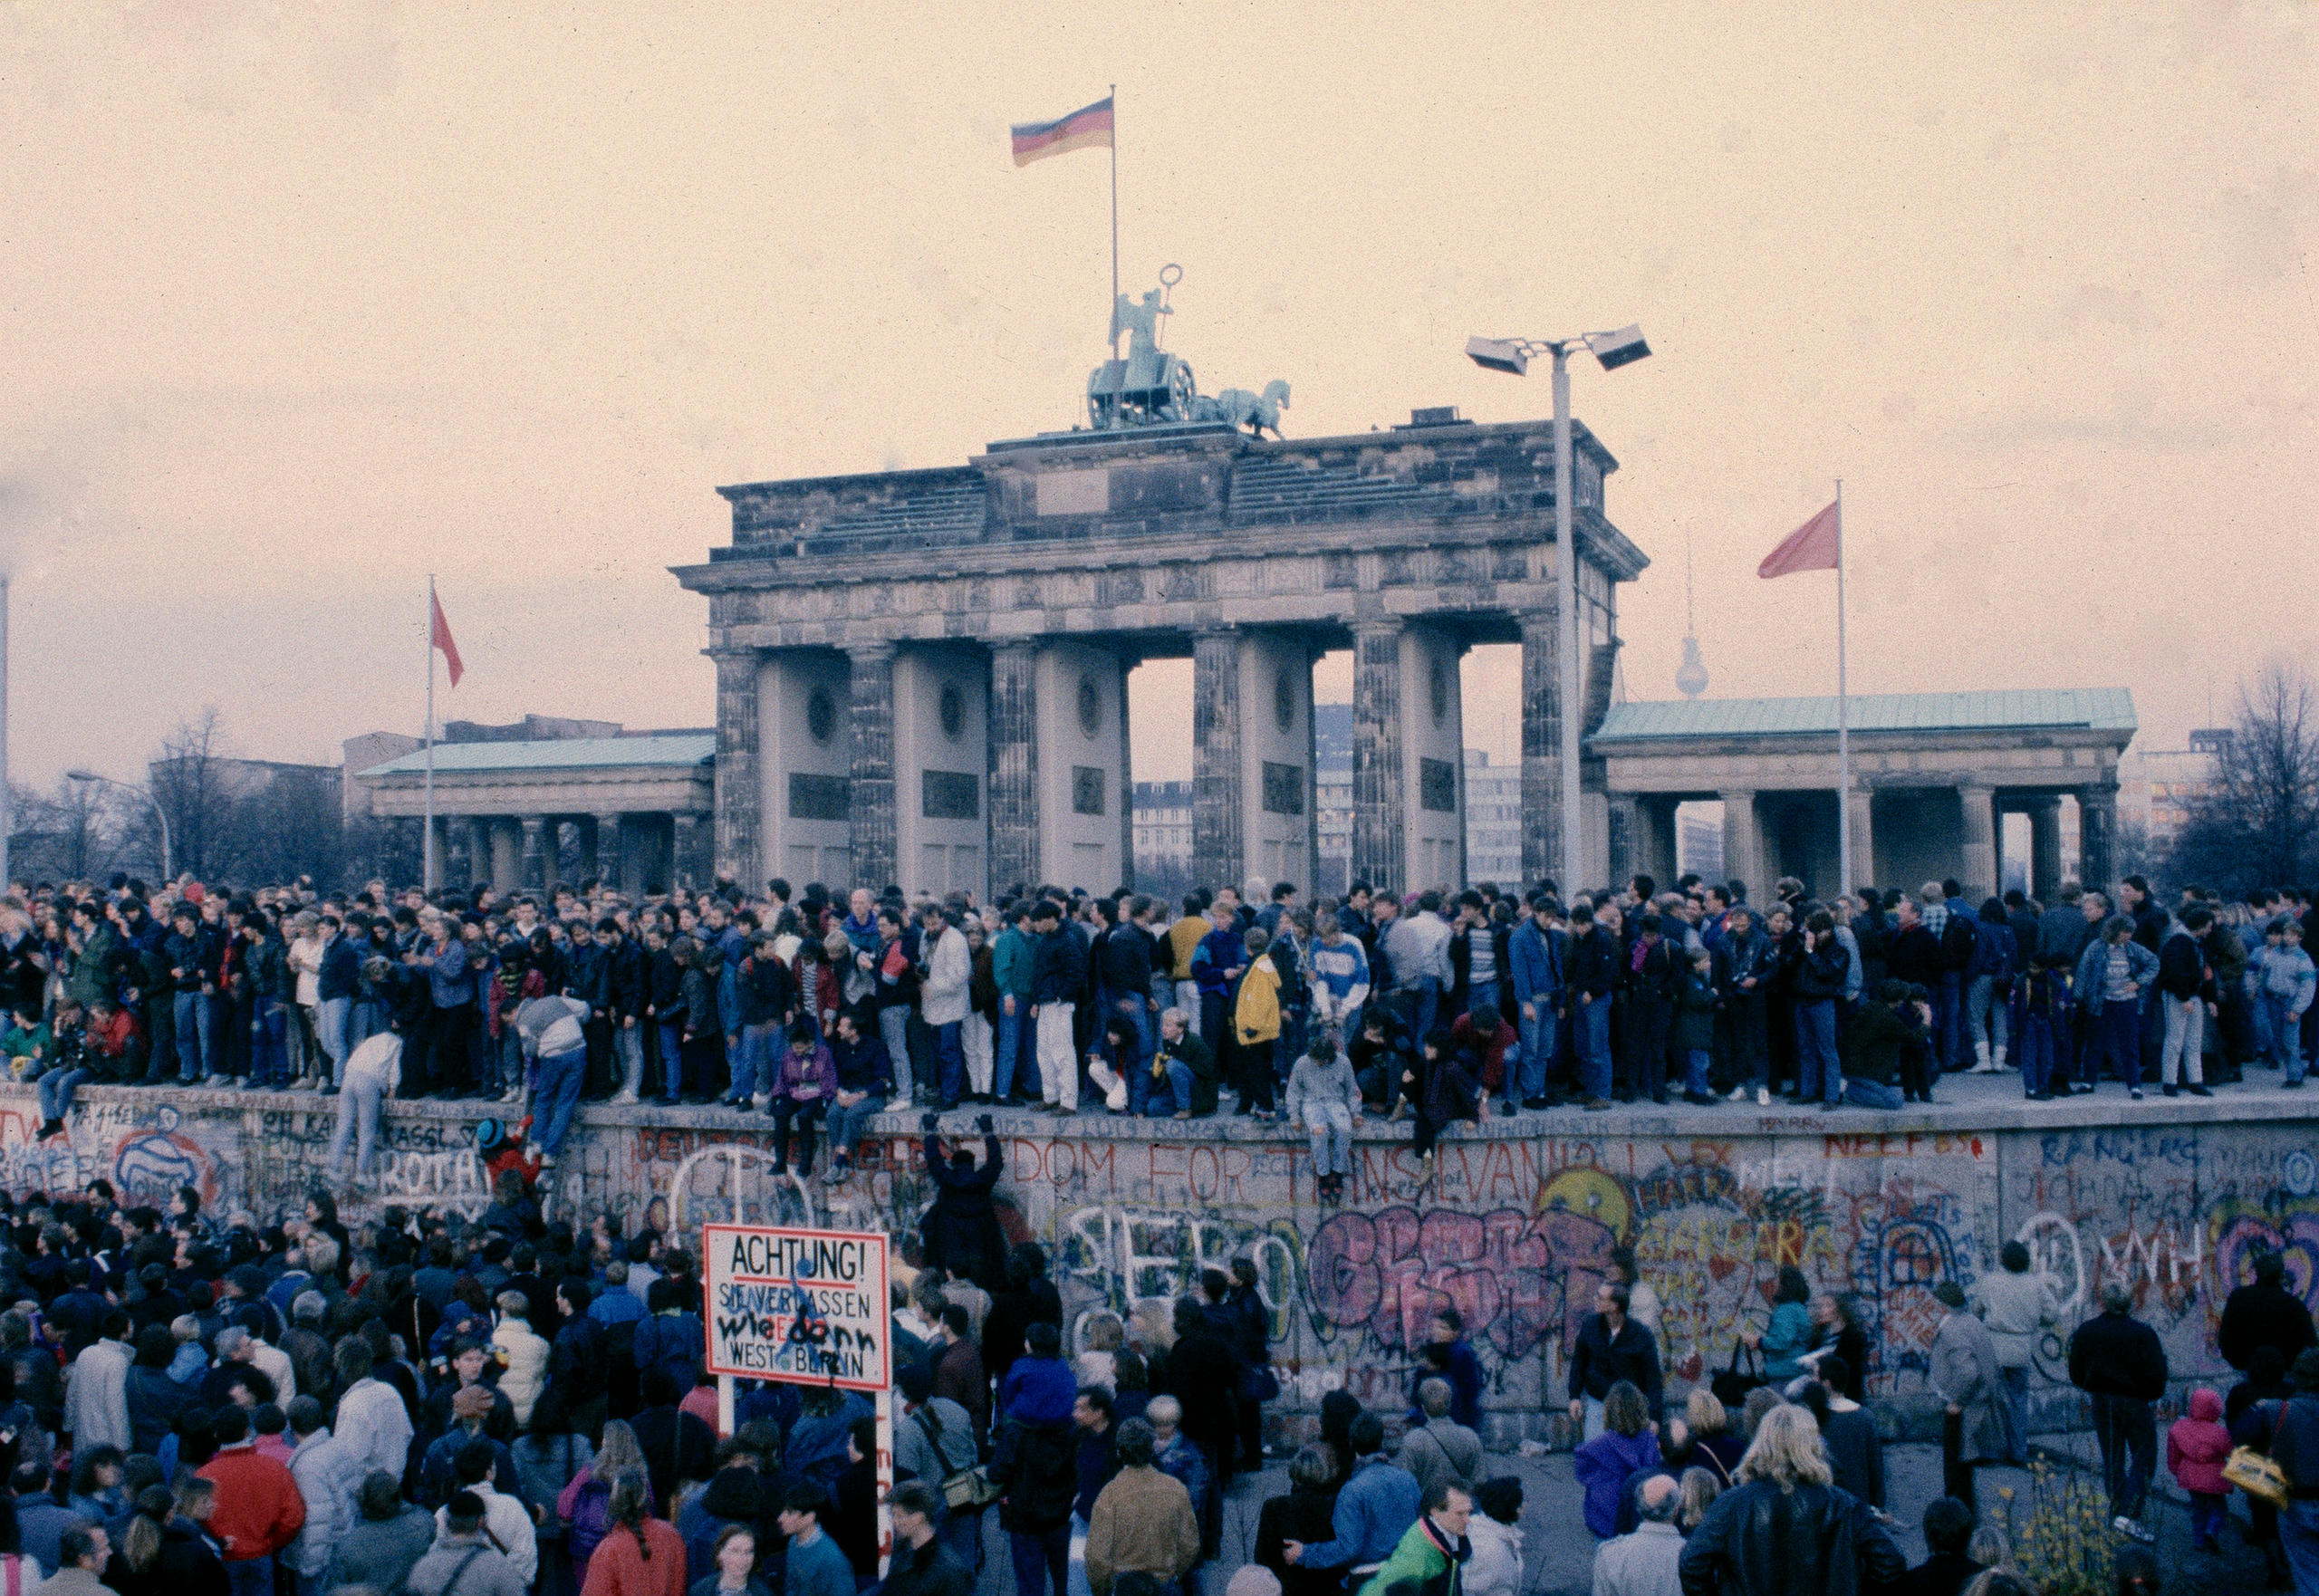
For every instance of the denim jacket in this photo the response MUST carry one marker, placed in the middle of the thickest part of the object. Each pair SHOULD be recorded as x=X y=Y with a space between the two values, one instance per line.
x=1536 y=955
x=2094 y=969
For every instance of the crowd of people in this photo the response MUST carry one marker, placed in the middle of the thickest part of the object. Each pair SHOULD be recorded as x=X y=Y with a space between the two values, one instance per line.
x=820 y=1010
x=204 y=1403
x=479 y=1408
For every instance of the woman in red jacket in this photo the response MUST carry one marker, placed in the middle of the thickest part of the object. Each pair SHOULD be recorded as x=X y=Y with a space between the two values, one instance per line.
x=639 y=1555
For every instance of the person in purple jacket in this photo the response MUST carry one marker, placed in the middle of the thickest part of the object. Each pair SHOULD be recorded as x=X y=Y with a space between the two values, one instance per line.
x=808 y=1081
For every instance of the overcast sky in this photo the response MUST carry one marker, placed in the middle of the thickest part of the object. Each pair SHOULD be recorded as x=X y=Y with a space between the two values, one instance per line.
x=304 y=302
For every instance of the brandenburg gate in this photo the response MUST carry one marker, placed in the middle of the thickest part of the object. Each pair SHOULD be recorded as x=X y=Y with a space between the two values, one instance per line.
x=922 y=674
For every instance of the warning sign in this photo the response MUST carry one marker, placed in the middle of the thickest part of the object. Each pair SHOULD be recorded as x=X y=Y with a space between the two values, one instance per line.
x=802 y=1305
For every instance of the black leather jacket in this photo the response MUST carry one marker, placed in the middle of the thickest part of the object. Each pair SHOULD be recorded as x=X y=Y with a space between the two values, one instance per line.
x=1758 y=1539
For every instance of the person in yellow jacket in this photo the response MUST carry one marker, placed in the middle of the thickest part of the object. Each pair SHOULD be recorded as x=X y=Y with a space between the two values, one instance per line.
x=1256 y=1025
x=1182 y=939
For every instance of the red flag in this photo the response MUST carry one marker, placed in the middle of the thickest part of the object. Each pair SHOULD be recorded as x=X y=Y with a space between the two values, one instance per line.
x=443 y=641
x=1812 y=546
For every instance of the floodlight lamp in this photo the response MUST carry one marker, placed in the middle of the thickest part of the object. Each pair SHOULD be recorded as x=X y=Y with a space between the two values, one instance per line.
x=1621 y=348
x=1500 y=354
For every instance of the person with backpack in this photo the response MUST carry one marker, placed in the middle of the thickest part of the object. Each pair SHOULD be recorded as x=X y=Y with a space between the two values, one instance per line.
x=2287 y=1430
x=1951 y=926
x=1988 y=987
x=934 y=1440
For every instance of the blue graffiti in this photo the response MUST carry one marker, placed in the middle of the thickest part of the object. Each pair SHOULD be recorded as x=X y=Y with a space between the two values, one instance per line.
x=153 y=1161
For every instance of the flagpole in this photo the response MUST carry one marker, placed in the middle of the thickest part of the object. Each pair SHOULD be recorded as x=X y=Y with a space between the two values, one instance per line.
x=1115 y=221
x=427 y=836
x=1843 y=716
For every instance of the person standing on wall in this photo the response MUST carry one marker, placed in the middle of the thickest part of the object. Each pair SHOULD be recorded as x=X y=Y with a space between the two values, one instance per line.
x=1059 y=975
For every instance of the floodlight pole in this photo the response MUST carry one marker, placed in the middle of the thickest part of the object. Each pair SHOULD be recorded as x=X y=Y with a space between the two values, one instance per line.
x=1567 y=631
x=1512 y=355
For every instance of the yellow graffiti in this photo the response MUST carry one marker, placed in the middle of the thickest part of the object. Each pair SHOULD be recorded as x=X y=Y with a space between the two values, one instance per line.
x=1589 y=1192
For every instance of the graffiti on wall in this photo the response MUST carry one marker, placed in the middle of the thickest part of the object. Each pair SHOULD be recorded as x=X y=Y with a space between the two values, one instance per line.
x=146 y=1148
x=1514 y=1232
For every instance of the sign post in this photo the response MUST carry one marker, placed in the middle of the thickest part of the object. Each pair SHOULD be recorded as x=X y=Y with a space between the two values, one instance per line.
x=808 y=1307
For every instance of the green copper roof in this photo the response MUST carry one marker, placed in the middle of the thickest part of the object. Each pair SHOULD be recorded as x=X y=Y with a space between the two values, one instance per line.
x=685 y=749
x=2100 y=709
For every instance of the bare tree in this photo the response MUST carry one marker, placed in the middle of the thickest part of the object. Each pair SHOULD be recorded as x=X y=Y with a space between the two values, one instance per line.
x=290 y=827
x=2260 y=826
x=73 y=832
x=190 y=786
x=387 y=848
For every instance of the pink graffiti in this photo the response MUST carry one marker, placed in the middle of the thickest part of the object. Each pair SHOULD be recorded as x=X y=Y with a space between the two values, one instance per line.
x=2296 y=1239
x=1513 y=1277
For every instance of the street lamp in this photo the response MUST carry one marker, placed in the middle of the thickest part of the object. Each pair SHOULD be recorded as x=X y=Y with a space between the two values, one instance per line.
x=146 y=793
x=1512 y=355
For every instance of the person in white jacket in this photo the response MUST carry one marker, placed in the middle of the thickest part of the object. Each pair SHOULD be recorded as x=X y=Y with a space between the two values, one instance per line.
x=505 y=1519
x=371 y=1414
x=523 y=1355
x=329 y=1482
x=1494 y=1569
x=942 y=997
x=96 y=1396
x=1325 y=1096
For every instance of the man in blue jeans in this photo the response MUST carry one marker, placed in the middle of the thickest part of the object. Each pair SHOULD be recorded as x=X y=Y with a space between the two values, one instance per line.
x=1035 y=1462
x=1593 y=961
x=66 y=1065
x=1013 y=962
x=553 y=1031
x=193 y=974
x=1894 y=1020
x=335 y=983
x=1819 y=982
x=2120 y=1364
x=1535 y=954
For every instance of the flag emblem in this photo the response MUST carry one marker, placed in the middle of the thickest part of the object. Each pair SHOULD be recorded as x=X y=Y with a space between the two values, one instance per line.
x=1088 y=128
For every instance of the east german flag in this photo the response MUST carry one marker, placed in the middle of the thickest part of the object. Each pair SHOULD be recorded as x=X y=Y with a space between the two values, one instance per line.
x=1088 y=128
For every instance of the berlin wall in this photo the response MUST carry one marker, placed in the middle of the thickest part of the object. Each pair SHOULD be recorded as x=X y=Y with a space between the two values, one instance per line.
x=1516 y=1228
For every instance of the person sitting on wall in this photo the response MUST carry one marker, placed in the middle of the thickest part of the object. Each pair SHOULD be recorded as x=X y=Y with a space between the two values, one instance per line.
x=1184 y=1057
x=1446 y=1086
x=1883 y=1035
x=1380 y=1056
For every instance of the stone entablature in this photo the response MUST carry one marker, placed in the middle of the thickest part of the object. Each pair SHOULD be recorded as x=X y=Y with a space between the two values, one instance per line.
x=1048 y=567
x=1150 y=535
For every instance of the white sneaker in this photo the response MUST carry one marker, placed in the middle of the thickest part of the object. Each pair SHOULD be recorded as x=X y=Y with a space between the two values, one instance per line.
x=760 y=1099
x=1738 y=1094
x=1763 y=1097
x=2127 y=1526
x=623 y=1098
x=1984 y=1068
x=513 y=1094
x=547 y=1161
